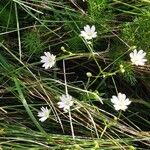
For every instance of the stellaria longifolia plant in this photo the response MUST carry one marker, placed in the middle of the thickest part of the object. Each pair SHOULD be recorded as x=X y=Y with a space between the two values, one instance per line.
x=35 y=108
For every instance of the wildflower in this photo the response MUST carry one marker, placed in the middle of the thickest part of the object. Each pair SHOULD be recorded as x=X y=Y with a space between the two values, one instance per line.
x=48 y=60
x=65 y=102
x=88 y=33
x=120 y=102
x=43 y=114
x=138 y=58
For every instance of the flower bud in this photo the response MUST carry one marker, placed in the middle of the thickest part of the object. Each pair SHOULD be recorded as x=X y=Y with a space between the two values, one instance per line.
x=89 y=74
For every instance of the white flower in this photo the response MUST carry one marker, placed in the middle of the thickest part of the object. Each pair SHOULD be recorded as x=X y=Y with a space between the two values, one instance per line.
x=49 y=60
x=65 y=102
x=88 y=32
x=138 y=58
x=43 y=114
x=120 y=102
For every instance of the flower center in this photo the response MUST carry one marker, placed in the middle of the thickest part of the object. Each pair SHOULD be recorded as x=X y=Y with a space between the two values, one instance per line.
x=90 y=33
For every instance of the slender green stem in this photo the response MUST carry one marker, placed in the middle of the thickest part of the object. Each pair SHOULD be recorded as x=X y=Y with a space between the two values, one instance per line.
x=93 y=55
x=114 y=84
x=120 y=112
x=105 y=128
x=18 y=31
x=65 y=79
x=71 y=125
x=66 y=90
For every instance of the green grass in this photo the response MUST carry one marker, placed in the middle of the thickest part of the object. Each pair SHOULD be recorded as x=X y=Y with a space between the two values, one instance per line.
x=30 y=28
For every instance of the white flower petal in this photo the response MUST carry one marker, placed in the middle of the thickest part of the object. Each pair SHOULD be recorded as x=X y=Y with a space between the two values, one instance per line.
x=120 y=102
x=114 y=99
x=49 y=60
x=138 y=58
x=121 y=96
x=89 y=32
x=131 y=55
x=61 y=105
x=93 y=28
x=87 y=28
x=65 y=102
x=141 y=52
x=40 y=114
x=43 y=114
x=135 y=52
x=94 y=34
x=117 y=107
x=42 y=119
